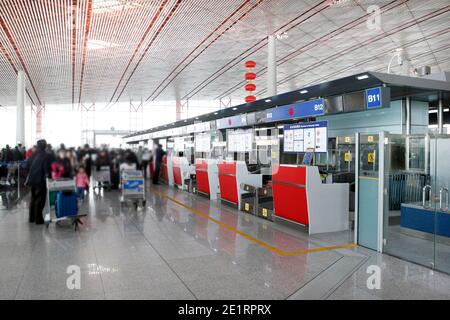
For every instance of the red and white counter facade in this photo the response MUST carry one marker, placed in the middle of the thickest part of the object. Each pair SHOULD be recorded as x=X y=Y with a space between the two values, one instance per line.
x=207 y=173
x=300 y=196
x=232 y=174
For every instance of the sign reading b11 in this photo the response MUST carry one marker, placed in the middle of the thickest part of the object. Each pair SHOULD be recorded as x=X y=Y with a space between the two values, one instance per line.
x=374 y=98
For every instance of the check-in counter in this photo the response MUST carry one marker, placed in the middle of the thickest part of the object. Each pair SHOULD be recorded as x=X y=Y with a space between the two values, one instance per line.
x=181 y=171
x=232 y=175
x=164 y=175
x=207 y=174
x=427 y=219
x=300 y=196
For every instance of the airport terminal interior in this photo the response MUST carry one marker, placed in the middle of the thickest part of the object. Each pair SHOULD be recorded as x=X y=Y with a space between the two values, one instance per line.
x=224 y=150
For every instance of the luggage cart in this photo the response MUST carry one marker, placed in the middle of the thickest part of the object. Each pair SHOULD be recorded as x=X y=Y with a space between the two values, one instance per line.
x=102 y=178
x=57 y=186
x=133 y=188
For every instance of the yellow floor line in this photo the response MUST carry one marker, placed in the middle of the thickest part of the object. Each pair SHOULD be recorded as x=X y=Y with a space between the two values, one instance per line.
x=249 y=237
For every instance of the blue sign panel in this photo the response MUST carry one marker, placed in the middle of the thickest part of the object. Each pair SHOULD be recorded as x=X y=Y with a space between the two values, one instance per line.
x=299 y=110
x=306 y=137
x=374 y=98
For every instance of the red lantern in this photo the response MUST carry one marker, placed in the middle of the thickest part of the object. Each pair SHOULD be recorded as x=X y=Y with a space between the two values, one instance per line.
x=249 y=99
x=250 y=64
x=250 y=76
x=250 y=87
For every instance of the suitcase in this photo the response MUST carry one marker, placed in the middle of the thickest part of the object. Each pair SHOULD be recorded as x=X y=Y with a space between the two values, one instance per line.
x=66 y=204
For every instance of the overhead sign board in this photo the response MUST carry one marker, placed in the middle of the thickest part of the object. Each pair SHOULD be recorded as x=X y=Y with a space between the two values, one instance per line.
x=299 y=110
x=232 y=122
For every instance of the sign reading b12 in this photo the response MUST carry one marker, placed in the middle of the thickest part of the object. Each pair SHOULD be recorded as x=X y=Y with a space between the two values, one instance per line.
x=373 y=98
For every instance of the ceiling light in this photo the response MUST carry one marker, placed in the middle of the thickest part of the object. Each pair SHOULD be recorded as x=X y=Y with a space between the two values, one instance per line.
x=105 y=6
x=99 y=44
x=362 y=77
x=433 y=111
x=446 y=110
x=268 y=100
x=216 y=113
x=234 y=108
x=304 y=91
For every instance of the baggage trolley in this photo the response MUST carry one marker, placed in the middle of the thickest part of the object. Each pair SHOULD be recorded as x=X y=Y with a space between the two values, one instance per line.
x=133 y=188
x=102 y=178
x=59 y=186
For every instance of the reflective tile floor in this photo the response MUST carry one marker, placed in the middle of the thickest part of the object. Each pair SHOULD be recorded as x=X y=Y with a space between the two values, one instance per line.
x=183 y=246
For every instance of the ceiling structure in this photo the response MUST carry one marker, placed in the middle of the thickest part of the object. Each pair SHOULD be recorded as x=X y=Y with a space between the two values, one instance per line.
x=94 y=51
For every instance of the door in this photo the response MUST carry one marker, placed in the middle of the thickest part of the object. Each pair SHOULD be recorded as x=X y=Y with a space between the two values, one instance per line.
x=409 y=209
x=442 y=215
x=416 y=213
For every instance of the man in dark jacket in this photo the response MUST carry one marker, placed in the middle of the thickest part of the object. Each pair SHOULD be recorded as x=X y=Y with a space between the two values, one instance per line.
x=159 y=154
x=38 y=172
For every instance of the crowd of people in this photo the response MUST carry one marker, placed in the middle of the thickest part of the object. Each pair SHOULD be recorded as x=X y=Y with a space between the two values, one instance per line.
x=43 y=161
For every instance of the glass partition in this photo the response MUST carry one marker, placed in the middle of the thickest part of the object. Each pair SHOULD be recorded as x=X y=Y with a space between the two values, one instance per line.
x=416 y=216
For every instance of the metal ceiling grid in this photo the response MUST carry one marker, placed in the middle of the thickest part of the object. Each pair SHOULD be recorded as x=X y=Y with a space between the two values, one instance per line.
x=84 y=51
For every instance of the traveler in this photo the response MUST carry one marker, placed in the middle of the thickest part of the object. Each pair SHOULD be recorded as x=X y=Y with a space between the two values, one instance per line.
x=82 y=182
x=38 y=172
x=146 y=156
x=159 y=154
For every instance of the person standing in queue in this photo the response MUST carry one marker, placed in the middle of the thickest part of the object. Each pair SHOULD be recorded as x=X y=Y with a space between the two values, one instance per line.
x=159 y=154
x=36 y=180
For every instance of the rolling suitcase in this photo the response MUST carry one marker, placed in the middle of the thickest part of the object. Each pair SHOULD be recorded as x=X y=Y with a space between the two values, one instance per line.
x=66 y=204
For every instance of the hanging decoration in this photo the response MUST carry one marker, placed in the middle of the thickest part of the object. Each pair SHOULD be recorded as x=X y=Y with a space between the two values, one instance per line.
x=250 y=76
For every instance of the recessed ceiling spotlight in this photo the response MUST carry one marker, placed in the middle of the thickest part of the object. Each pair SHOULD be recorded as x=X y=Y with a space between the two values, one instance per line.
x=234 y=108
x=362 y=77
x=268 y=100
x=216 y=113
x=304 y=91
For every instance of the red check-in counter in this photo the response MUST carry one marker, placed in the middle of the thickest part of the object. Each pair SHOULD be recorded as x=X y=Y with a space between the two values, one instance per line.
x=228 y=181
x=232 y=175
x=177 y=180
x=181 y=172
x=300 y=196
x=289 y=190
x=164 y=170
x=207 y=174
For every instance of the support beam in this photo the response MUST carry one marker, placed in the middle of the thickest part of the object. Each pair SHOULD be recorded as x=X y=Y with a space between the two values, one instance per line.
x=440 y=116
x=408 y=115
x=178 y=110
x=20 y=114
x=272 y=67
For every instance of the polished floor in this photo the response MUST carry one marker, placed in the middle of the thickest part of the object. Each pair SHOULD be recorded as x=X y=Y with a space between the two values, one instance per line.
x=183 y=246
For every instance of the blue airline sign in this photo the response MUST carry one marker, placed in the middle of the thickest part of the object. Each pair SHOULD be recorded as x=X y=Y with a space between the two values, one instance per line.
x=299 y=110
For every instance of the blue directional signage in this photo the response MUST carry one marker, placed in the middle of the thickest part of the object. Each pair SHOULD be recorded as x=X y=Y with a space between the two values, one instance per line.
x=299 y=110
x=373 y=98
x=378 y=98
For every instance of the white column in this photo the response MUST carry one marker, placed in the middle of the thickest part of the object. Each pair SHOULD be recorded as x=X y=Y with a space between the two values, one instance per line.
x=20 y=114
x=440 y=116
x=272 y=67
